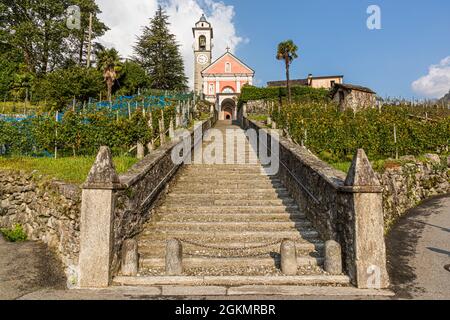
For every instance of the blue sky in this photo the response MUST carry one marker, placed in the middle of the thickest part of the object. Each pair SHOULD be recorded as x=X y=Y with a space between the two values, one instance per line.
x=333 y=39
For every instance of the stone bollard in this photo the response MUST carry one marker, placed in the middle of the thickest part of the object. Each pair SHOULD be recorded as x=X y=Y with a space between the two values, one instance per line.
x=333 y=258
x=130 y=258
x=288 y=258
x=140 y=151
x=174 y=258
x=97 y=222
x=274 y=125
x=269 y=121
x=211 y=109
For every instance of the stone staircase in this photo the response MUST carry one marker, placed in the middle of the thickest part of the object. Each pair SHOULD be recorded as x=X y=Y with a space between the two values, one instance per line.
x=231 y=220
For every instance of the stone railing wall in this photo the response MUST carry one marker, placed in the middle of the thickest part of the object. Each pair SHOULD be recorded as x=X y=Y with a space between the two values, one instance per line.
x=347 y=209
x=115 y=208
x=48 y=210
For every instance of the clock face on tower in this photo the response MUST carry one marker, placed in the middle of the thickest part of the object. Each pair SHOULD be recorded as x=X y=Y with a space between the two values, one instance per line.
x=202 y=59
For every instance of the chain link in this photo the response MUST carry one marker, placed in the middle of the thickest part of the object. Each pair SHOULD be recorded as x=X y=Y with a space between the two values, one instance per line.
x=254 y=255
x=205 y=246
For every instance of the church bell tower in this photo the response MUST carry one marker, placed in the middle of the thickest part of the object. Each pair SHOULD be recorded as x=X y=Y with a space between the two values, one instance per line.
x=203 y=35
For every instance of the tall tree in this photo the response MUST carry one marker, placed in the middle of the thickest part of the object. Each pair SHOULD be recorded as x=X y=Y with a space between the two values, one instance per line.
x=109 y=63
x=287 y=52
x=78 y=41
x=159 y=53
x=38 y=28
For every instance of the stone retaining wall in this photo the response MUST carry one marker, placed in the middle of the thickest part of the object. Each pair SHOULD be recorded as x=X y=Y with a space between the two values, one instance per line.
x=406 y=186
x=48 y=210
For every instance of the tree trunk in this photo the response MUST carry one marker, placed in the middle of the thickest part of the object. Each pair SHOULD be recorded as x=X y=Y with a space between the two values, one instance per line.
x=288 y=81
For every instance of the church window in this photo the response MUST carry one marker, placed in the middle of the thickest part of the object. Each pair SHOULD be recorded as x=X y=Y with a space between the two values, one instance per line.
x=228 y=90
x=202 y=42
x=228 y=67
x=211 y=88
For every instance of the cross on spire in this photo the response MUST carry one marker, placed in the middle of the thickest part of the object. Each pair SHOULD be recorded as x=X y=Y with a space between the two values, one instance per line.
x=228 y=48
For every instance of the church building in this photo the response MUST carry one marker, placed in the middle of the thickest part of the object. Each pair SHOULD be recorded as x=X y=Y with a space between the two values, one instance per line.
x=218 y=81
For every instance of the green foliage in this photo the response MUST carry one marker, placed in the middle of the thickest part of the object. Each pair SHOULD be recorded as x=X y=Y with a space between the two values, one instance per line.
x=299 y=94
x=159 y=53
x=15 y=234
x=109 y=64
x=38 y=30
x=133 y=77
x=81 y=133
x=62 y=86
x=337 y=135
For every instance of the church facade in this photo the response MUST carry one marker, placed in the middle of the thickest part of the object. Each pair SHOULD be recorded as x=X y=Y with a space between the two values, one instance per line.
x=220 y=81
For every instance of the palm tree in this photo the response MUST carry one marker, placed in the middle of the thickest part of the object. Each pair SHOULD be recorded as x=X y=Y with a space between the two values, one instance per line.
x=287 y=51
x=109 y=63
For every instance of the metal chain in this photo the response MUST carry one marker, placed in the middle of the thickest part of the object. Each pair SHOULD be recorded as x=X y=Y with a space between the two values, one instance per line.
x=205 y=246
x=255 y=255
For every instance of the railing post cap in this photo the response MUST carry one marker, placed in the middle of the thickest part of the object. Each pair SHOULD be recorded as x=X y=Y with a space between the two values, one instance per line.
x=103 y=174
x=361 y=172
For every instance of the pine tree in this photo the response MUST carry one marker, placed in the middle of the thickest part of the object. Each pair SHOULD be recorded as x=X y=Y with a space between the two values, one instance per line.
x=159 y=54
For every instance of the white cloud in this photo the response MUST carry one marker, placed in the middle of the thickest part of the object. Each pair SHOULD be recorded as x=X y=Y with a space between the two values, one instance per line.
x=126 y=19
x=437 y=82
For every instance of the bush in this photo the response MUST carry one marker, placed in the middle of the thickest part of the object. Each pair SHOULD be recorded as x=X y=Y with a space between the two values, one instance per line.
x=16 y=234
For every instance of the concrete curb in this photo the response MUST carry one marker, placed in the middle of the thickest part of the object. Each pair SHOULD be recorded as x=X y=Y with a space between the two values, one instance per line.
x=212 y=292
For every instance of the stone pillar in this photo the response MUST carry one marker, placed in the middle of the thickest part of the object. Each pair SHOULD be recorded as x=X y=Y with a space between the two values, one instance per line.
x=333 y=257
x=363 y=226
x=174 y=258
x=288 y=258
x=130 y=258
x=97 y=222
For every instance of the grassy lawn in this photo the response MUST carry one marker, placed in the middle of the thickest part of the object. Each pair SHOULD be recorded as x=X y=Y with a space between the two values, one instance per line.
x=71 y=169
x=342 y=166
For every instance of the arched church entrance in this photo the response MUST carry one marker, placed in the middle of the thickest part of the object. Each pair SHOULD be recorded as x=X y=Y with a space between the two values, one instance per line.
x=228 y=110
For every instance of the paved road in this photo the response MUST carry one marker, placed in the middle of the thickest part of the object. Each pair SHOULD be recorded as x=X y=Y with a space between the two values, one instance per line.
x=418 y=250
x=27 y=267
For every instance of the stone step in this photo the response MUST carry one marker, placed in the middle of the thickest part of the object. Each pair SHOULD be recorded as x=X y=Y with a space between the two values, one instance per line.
x=231 y=226
x=243 y=217
x=179 y=208
x=322 y=280
x=188 y=197
x=197 y=262
x=222 y=168
x=224 y=178
x=228 y=185
x=210 y=190
x=229 y=202
x=240 y=236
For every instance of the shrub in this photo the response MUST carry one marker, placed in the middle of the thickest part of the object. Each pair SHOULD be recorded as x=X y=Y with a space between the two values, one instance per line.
x=15 y=234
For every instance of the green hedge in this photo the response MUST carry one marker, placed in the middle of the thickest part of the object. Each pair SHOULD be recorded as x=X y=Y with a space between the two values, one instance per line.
x=299 y=93
x=335 y=136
